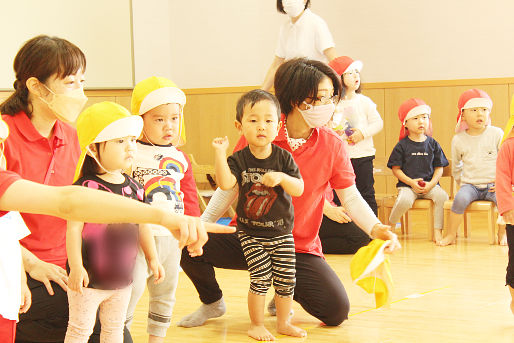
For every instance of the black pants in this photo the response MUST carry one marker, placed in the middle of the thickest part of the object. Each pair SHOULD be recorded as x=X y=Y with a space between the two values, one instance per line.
x=341 y=238
x=47 y=319
x=364 y=180
x=318 y=289
x=510 y=267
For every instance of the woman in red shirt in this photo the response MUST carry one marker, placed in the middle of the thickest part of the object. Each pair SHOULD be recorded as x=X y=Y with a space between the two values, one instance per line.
x=306 y=90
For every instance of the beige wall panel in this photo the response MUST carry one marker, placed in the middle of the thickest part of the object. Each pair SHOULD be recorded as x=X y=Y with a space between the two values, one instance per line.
x=208 y=116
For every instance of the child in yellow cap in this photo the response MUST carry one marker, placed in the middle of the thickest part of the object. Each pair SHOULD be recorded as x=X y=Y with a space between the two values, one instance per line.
x=101 y=257
x=504 y=194
x=167 y=177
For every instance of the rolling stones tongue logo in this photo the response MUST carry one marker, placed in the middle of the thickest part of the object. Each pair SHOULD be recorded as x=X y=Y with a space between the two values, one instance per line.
x=259 y=200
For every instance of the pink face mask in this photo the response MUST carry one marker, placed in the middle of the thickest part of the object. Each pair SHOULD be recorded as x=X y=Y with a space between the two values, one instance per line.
x=317 y=116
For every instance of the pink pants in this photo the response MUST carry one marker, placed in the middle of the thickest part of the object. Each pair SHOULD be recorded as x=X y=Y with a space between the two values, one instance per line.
x=83 y=307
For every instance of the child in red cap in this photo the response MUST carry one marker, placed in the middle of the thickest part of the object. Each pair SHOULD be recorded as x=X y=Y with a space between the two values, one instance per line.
x=474 y=150
x=417 y=161
x=357 y=120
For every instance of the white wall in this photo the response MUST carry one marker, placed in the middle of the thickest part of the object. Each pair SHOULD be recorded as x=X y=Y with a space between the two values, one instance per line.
x=216 y=43
x=101 y=29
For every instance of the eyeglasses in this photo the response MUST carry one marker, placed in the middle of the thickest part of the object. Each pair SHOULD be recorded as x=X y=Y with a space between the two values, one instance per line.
x=324 y=99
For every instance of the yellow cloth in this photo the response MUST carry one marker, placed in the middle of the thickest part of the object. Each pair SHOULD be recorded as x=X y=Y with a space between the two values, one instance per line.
x=158 y=91
x=370 y=268
x=510 y=123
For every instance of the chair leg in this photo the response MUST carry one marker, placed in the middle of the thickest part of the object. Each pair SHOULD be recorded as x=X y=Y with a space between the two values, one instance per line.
x=492 y=226
x=466 y=224
x=406 y=222
x=402 y=224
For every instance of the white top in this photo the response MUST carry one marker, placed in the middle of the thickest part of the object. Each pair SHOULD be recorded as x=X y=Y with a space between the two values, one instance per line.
x=361 y=113
x=308 y=37
x=160 y=169
x=474 y=157
x=12 y=229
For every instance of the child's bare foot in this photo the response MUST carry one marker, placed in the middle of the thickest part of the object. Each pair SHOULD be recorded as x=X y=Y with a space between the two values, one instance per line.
x=290 y=330
x=438 y=235
x=260 y=333
x=447 y=240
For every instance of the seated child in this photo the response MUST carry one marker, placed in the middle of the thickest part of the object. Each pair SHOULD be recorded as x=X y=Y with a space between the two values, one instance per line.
x=166 y=175
x=101 y=257
x=417 y=161
x=267 y=177
x=474 y=150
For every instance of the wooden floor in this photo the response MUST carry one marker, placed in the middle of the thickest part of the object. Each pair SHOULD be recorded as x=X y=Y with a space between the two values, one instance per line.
x=450 y=294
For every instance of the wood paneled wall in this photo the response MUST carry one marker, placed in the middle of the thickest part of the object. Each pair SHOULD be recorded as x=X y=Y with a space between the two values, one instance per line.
x=210 y=112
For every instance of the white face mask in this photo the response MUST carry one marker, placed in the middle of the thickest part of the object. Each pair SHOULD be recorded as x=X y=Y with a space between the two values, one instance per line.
x=66 y=107
x=317 y=116
x=293 y=8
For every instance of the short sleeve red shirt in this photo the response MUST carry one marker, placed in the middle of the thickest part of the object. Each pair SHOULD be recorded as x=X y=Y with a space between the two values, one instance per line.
x=323 y=161
x=7 y=178
x=49 y=161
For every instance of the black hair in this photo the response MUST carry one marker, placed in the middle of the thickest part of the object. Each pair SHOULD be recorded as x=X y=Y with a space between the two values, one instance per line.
x=252 y=97
x=280 y=6
x=41 y=57
x=90 y=166
x=299 y=78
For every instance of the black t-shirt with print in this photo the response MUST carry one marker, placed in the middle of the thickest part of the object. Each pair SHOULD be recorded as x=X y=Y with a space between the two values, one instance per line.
x=109 y=250
x=417 y=159
x=263 y=211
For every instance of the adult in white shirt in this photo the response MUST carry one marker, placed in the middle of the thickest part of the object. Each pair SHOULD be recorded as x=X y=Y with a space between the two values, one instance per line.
x=304 y=34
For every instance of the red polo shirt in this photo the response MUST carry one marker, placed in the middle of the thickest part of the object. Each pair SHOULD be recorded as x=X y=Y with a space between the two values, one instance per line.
x=7 y=178
x=323 y=159
x=50 y=161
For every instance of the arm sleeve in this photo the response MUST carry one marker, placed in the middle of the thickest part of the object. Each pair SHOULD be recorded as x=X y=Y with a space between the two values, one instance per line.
x=7 y=178
x=375 y=122
x=439 y=157
x=456 y=160
x=219 y=203
x=504 y=182
x=359 y=210
x=188 y=188
x=290 y=166
x=396 y=157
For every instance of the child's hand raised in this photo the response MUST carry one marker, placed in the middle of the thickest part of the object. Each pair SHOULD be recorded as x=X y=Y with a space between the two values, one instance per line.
x=78 y=278
x=272 y=179
x=220 y=143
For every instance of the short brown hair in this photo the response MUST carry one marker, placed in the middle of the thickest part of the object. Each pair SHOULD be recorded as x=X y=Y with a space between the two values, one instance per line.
x=299 y=78
x=41 y=57
x=280 y=6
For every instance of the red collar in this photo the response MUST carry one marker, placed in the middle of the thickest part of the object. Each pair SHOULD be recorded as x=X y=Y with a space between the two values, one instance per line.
x=27 y=129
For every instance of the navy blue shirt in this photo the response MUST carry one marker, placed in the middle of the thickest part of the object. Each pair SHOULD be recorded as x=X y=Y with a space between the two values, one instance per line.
x=417 y=159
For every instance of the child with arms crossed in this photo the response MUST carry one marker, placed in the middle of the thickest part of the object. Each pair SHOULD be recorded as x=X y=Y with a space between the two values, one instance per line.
x=267 y=177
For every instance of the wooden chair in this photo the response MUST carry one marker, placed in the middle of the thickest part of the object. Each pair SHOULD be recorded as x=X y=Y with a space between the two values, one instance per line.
x=425 y=205
x=480 y=206
x=204 y=175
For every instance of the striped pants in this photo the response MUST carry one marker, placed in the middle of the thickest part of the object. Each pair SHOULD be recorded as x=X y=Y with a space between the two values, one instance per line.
x=270 y=258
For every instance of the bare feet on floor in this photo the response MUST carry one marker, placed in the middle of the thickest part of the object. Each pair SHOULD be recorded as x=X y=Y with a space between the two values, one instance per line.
x=260 y=333
x=438 y=235
x=291 y=330
x=447 y=240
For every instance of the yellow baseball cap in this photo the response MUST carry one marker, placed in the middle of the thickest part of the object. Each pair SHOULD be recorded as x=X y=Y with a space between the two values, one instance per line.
x=102 y=122
x=370 y=269
x=155 y=91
